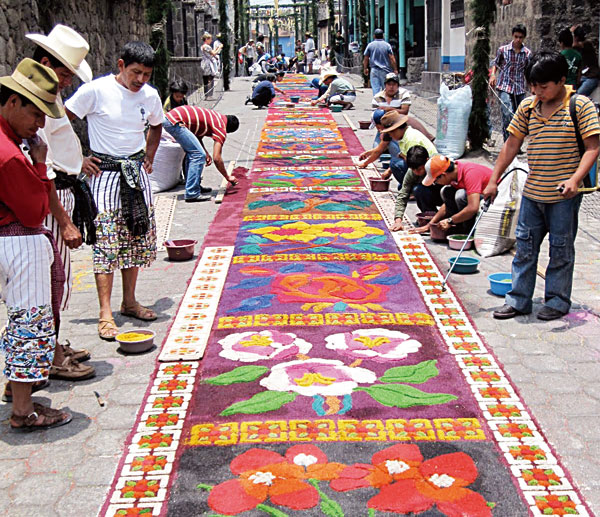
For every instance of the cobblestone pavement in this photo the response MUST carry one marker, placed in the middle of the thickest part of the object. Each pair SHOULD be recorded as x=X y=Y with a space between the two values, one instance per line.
x=68 y=471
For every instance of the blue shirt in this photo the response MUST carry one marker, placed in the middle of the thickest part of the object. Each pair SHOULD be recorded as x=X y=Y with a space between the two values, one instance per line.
x=263 y=88
x=378 y=52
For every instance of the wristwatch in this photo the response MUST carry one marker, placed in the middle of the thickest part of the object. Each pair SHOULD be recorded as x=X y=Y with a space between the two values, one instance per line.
x=449 y=220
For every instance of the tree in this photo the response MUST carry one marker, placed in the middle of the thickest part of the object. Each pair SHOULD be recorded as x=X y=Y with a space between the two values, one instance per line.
x=156 y=15
x=226 y=50
x=484 y=13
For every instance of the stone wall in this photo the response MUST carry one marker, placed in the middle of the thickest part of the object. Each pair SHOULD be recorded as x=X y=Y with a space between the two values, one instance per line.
x=105 y=24
x=543 y=19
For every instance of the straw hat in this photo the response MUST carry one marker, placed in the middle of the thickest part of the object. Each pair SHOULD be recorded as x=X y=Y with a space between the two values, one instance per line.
x=393 y=120
x=327 y=74
x=435 y=167
x=38 y=83
x=69 y=47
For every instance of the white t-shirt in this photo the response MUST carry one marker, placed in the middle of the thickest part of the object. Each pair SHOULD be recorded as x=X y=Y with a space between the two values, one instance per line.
x=64 y=148
x=116 y=116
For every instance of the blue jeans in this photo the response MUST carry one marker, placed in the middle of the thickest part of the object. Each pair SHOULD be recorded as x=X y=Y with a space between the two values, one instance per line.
x=587 y=86
x=397 y=165
x=195 y=155
x=377 y=77
x=509 y=105
x=560 y=220
x=428 y=199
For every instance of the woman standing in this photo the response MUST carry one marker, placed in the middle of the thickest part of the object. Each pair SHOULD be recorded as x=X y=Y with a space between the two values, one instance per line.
x=209 y=65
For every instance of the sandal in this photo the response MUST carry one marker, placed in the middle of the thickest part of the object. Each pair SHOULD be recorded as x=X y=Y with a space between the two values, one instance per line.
x=40 y=419
x=37 y=386
x=79 y=355
x=139 y=312
x=107 y=329
x=71 y=370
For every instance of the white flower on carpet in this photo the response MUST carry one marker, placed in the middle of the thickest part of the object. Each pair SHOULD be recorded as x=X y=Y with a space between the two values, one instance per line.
x=317 y=377
x=262 y=478
x=443 y=481
x=396 y=466
x=376 y=344
x=249 y=347
x=305 y=460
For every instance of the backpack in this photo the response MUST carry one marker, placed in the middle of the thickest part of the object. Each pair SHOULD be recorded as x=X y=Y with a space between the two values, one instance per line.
x=587 y=181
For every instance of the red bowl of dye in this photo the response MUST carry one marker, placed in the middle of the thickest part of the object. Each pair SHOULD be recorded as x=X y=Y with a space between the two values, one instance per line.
x=364 y=124
x=379 y=184
x=180 y=249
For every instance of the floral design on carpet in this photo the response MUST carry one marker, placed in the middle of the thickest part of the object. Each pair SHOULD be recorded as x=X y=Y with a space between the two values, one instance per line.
x=324 y=201
x=322 y=286
x=326 y=237
x=409 y=485
x=330 y=383
x=302 y=133
x=313 y=178
x=291 y=481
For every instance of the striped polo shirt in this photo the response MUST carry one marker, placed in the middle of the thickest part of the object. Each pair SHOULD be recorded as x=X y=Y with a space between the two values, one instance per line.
x=200 y=121
x=552 y=151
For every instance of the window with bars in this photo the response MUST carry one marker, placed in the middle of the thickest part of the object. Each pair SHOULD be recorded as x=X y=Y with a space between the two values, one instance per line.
x=457 y=13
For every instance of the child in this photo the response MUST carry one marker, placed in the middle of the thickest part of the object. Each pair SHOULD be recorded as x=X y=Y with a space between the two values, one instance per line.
x=551 y=201
x=177 y=92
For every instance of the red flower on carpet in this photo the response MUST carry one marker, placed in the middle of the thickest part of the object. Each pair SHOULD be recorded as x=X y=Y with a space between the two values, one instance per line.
x=265 y=474
x=410 y=485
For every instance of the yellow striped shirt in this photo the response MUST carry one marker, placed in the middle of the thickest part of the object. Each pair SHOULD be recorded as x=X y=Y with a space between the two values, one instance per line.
x=552 y=151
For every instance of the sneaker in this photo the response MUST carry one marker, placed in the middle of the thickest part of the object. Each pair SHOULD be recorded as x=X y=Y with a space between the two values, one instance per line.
x=71 y=370
x=196 y=199
x=549 y=314
x=205 y=190
x=506 y=312
x=248 y=101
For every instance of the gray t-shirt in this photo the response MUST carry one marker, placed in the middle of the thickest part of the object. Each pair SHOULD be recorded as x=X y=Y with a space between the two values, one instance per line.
x=378 y=52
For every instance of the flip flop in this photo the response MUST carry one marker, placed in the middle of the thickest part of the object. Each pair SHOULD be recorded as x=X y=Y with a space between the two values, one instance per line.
x=139 y=312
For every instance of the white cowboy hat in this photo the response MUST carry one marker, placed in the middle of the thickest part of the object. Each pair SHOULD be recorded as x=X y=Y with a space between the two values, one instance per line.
x=69 y=47
x=326 y=74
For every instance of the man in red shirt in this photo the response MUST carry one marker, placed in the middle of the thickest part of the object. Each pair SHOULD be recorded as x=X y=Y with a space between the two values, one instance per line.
x=28 y=252
x=188 y=125
x=464 y=183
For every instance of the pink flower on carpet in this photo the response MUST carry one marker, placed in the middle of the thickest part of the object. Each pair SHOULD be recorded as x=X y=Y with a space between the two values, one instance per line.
x=249 y=347
x=410 y=485
x=377 y=344
x=266 y=474
x=310 y=377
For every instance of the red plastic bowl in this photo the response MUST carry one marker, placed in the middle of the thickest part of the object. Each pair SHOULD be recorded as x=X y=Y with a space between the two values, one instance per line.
x=180 y=249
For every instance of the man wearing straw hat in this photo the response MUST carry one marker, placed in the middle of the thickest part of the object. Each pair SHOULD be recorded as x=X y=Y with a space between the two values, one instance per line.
x=28 y=251
x=64 y=51
x=118 y=109
x=339 y=91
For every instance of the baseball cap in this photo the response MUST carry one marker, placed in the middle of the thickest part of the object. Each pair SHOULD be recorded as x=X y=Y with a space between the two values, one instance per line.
x=376 y=118
x=392 y=77
x=393 y=120
x=435 y=167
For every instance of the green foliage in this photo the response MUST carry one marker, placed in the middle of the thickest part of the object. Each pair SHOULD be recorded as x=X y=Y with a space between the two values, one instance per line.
x=156 y=10
x=331 y=11
x=160 y=73
x=484 y=13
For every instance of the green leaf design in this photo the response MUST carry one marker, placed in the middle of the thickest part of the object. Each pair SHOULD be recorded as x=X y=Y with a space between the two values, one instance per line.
x=260 y=204
x=371 y=512
x=402 y=396
x=251 y=249
x=237 y=375
x=366 y=247
x=290 y=206
x=373 y=239
x=336 y=207
x=413 y=374
x=274 y=512
x=204 y=486
x=260 y=403
x=328 y=506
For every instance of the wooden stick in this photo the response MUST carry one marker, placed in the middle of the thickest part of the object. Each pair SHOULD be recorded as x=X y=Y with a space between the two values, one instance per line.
x=352 y=126
x=224 y=183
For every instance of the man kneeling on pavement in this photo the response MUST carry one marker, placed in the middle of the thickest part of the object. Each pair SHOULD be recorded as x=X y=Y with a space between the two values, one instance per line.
x=463 y=184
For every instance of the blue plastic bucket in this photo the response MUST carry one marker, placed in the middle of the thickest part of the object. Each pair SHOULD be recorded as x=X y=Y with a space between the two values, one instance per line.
x=499 y=284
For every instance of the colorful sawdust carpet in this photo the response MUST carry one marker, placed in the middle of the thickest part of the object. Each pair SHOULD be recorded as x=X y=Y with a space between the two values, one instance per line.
x=338 y=379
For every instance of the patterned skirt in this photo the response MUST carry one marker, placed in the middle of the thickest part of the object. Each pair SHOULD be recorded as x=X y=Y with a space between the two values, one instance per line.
x=116 y=247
